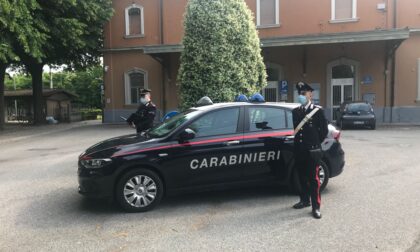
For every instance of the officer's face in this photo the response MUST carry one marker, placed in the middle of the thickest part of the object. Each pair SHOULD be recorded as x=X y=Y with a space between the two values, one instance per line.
x=308 y=94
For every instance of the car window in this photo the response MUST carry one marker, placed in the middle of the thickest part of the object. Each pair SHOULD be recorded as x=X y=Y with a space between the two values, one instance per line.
x=289 y=115
x=171 y=124
x=354 y=107
x=266 y=118
x=219 y=122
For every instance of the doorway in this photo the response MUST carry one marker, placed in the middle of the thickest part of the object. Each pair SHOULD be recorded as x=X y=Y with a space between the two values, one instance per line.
x=342 y=85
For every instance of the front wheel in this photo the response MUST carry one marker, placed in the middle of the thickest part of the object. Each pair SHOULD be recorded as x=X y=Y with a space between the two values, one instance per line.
x=373 y=126
x=139 y=190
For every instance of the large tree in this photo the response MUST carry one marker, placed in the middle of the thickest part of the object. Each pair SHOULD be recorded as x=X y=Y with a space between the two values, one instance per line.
x=222 y=55
x=17 y=28
x=74 y=31
x=76 y=36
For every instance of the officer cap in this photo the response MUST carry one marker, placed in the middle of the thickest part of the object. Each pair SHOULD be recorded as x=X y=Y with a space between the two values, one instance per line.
x=145 y=91
x=302 y=86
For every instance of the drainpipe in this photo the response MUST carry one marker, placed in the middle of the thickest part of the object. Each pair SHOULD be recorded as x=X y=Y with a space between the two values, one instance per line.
x=164 y=68
x=394 y=25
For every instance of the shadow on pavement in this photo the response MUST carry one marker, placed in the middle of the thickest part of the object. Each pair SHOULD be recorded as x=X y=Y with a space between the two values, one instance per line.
x=67 y=208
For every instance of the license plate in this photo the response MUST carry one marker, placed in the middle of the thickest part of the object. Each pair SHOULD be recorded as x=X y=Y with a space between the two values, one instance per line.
x=358 y=122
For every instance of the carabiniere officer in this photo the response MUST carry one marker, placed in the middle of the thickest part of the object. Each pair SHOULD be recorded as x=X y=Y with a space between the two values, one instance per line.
x=307 y=145
x=143 y=118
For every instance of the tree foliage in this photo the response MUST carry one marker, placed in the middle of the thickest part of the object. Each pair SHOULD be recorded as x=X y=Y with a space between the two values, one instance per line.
x=19 y=28
x=84 y=83
x=39 y=32
x=222 y=55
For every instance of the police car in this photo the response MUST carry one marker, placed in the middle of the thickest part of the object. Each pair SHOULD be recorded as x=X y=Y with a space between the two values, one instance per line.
x=216 y=146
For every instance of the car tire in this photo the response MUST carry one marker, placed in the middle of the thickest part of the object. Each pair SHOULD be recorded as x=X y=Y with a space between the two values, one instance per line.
x=324 y=174
x=139 y=190
x=373 y=126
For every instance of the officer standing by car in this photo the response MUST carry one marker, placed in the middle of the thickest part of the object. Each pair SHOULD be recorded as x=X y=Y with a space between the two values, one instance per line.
x=143 y=118
x=311 y=128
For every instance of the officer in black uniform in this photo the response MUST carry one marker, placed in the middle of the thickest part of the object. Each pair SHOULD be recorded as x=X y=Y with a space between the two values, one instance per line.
x=143 y=118
x=308 y=152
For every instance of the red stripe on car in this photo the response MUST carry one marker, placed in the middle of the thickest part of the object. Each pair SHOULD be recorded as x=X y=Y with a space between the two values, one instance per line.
x=286 y=133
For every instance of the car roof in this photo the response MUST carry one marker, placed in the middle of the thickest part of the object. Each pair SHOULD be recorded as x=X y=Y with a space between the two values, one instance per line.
x=233 y=104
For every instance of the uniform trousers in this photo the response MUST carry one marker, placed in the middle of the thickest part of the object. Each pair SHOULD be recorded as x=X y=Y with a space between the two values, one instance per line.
x=308 y=171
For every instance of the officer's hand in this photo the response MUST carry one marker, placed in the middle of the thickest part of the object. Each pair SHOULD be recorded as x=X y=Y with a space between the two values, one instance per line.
x=133 y=125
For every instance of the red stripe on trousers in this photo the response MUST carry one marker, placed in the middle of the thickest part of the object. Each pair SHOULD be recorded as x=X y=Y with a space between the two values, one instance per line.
x=318 y=199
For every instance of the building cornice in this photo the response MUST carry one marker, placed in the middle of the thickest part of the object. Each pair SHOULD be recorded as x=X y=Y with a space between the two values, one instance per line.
x=313 y=39
x=333 y=38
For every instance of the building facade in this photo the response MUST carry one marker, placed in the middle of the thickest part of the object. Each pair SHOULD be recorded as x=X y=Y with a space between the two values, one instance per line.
x=347 y=49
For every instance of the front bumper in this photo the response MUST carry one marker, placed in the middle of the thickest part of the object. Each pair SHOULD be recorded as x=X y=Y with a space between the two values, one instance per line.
x=94 y=184
x=358 y=121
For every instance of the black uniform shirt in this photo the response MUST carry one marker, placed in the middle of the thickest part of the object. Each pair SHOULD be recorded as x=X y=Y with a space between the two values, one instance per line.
x=313 y=132
x=144 y=116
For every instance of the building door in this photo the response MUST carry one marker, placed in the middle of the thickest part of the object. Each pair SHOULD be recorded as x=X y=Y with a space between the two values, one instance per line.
x=343 y=79
x=271 y=92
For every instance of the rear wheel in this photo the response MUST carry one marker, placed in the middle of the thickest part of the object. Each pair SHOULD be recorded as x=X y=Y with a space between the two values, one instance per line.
x=139 y=190
x=323 y=174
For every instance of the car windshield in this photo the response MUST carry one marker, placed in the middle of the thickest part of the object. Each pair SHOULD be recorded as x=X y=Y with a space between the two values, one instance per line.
x=355 y=107
x=171 y=124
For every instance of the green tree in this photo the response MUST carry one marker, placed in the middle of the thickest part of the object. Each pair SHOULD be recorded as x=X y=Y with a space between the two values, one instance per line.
x=222 y=54
x=18 y=28
x=74 y=32
x=86 y=85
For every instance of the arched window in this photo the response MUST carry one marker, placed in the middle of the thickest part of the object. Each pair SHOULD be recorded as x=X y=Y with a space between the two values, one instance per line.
x=135 y=81
x=134 y=20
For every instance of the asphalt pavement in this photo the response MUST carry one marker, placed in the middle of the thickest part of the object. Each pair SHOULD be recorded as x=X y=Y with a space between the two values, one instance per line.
x=374 y=205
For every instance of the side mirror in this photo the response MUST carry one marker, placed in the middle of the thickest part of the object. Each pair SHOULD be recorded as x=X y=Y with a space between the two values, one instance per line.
x=186 y=134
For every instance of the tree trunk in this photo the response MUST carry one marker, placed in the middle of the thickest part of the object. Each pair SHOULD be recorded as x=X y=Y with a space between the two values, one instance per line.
x=3 y=67
x=38 y=100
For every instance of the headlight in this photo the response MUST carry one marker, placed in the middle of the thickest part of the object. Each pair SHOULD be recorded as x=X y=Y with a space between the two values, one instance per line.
x=96 y=163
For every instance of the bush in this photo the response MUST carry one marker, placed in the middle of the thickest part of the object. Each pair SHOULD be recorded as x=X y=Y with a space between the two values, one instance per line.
x=222 y=54
x=90 y=114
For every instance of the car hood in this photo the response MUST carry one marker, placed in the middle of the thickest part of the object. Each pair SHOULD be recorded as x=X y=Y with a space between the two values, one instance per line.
x=110 y=146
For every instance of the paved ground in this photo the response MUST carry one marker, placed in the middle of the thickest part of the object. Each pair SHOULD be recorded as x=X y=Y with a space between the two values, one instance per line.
x=373 y=206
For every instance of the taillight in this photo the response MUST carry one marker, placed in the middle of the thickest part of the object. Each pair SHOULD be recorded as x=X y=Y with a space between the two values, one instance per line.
x=336 y=134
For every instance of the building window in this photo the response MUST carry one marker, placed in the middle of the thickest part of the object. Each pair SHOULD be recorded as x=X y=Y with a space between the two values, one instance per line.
x=343 y=10
x=134 y=21
x=267 y=13
x=135 y=81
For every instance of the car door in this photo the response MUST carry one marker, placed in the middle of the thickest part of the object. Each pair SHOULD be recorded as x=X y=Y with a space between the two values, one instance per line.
x=268 y=142
x=209 y=158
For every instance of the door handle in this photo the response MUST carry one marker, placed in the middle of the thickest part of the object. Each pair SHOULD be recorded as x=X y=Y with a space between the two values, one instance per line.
x=163 y=154
x=289 y=139
x=229 y=143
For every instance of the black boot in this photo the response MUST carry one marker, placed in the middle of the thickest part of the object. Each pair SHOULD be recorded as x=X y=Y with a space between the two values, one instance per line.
x=301 y=204
x=316 y=213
